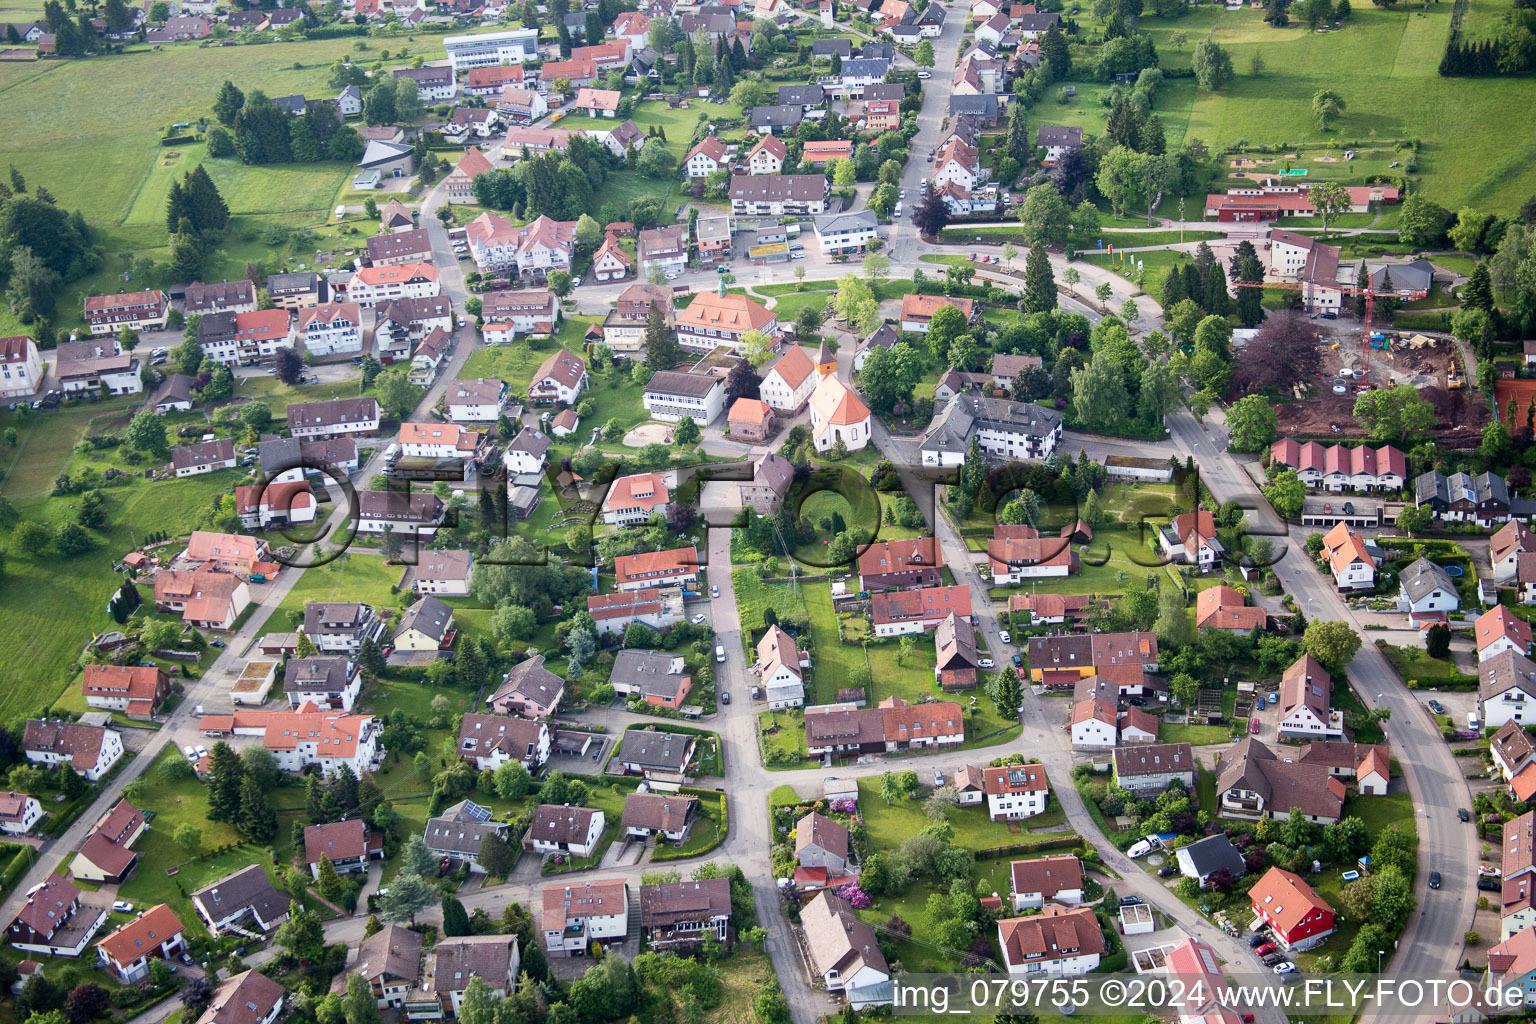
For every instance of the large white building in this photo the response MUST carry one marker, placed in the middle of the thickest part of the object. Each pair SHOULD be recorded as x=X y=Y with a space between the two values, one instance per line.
x=21 y=368
x=306 y=736
x=1016 y=791
x=517 y=46
x=670 y=396
x=1005 y=429
x=335 y=328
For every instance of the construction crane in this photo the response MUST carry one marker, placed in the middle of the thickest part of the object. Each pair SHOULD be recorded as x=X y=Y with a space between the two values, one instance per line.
x=1370 y=309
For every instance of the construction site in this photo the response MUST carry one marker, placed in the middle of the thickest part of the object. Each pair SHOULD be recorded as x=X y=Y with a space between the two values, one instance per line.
x=1430 y=365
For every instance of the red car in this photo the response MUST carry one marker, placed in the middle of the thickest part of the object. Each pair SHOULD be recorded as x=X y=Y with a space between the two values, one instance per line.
x=1247 y=1018
x=1265 y=950
x=1253 y=726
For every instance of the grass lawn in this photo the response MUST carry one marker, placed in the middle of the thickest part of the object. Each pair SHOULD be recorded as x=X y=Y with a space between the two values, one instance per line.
x=703 y=835
x=889 y=825
x=1156 y=263
x=279 y=396
x=173 y=805
x=783 y=731
x=55 y=604
x=753 y=595
x=1196 y=735
x=1385 y=62
x=1418 y=669
x=364 y=578
x=741 y=975
x=679 y=124
x=45 y=440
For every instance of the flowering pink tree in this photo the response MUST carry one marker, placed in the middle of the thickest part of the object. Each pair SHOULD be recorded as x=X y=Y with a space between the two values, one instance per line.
x=845 y=806
x=857 y=898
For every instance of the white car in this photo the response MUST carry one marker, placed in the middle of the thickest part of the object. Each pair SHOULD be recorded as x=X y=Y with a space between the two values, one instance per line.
x=1285 y=968
x=902 y=194
x=671 y=275
x=719 y=652
x=1004 y=637
x=925 y=74
x=986 y=663
x=698 y=618
x=123 y=907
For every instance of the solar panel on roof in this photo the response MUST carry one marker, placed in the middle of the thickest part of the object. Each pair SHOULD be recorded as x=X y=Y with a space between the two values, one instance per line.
x=477 y=812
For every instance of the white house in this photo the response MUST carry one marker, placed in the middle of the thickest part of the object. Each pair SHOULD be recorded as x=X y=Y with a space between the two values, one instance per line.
x=1055 y=879
x=789 y=381
x=577 y=915
x=838 y=415
x=632 y=499
x=19 y=812
x=1057 y=941
x=475 y=401
x=559 y=379
x=1094 y=715
x=1506 y=690
x=334 y=328
x=844 y=233
x=1425 y=589
x=1191 y=539
x=1349 y=558
x=324 y=682
x=526 y=452
x=565 y=830
x=1015 y=791
x=90 y=750
x=1505 y=547
x=438 y=441
x=373 y=285
x=709 y=156
x=1306 y=695
x=1498 y=630
x=306 y=736
x=21 y=368
x=781 y=669
x=844 y=952
x=669 y=396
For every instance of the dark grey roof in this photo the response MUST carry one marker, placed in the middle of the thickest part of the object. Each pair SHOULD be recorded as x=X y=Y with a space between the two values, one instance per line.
x=1215 y=852
x=864 y=67
x=248 y=888
x=1415 y=276
x=694 y=385
x=1037 y=22
x=933 y=14
x=877 y=51
x=292 y=104
x=461 y=829
x=426 y=75
x=301 y=280
x=885 y=91
x=428 y=616
x=332 y=616
x=1507 y=670
x=884 y=336
x=776 y=114
x=553 y=823
x=981 y=106
x=201 y=296
x=317 y=675
x=805 y=95
x=826 y=47
x=952 y=432
x=1480 y=489
x=177 y=388
x=1423 y=577
x=851 y=221
x=534 y=442
x=652 y=673
x=277 y=454
x=655 y=749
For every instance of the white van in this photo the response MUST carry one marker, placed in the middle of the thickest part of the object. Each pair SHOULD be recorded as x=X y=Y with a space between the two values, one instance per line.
x=719 y=652
x=391 y=454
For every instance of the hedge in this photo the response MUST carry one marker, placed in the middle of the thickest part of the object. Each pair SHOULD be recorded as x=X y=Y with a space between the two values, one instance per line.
x=17 y=867
x=667 y=726
x=1060 y=842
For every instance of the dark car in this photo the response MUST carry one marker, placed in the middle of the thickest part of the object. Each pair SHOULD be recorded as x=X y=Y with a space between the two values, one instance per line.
x=1018 y=661
x=1461 y=812
x=725 y=698
x=1130 y=901
x=1137 y=702
x=1167 y=870
x=1488 y=883
x=1272 y=960
x=1434 y=879
x=1255 y=940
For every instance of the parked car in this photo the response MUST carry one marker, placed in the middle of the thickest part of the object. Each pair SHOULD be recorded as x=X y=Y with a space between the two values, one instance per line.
x=938 y=777
x=1437 y=707
x=123 y=907
x=757 y=693
x=1257 y=939
x=1169 y=870
x=698 y=618
x=725 y=698
x=1018 y=660
x=1130 y=901
x=1285 y=968
x=986 y=663
x=925 y=74
x=186 y=958
x=1461 y=812
x=1267 y=948
x=719 y=652
x=216 y=643
x=1253 y=727
x=1272 y=960
x=1004 y=637
x=714 y=591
